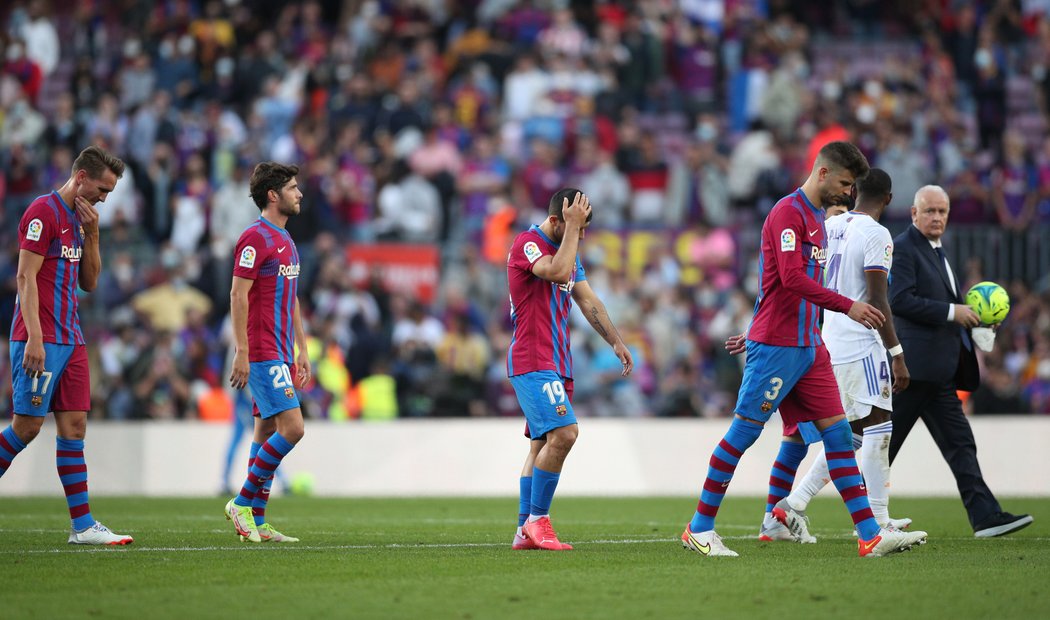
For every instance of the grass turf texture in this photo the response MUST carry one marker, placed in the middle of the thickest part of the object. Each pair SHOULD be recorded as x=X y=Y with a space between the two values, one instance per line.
x=451 y=558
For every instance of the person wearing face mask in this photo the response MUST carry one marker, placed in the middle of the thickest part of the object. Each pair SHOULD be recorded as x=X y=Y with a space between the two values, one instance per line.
x=934 y=327
x=58 y=249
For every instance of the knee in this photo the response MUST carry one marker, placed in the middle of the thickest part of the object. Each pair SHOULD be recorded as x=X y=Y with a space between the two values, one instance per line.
x=293 y=433
x=27 y=428
x=562 y=439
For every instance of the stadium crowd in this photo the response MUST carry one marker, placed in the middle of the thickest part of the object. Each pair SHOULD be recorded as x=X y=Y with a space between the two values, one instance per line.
x=449 y=124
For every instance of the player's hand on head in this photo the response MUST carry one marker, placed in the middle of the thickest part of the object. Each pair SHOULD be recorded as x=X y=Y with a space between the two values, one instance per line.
x=736 y=345
x=965 y=316
x=626 y=360
x=578 y=211
x=87 y=214
x=866 y=314
x=901 y=376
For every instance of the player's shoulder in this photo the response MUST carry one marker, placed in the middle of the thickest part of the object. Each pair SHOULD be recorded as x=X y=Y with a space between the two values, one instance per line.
x=42 y=207
x=252 y=234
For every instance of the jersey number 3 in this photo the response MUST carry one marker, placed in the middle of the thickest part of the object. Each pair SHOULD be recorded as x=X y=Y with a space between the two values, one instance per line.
x=774 y=388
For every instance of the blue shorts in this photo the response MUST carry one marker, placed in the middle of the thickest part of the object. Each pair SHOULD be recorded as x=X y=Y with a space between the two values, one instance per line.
x=797 y=380
x=273 y=388
x=545 y=400
x=65 y=384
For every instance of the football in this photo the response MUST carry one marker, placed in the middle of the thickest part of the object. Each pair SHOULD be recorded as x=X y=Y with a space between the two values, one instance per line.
x=990 y=301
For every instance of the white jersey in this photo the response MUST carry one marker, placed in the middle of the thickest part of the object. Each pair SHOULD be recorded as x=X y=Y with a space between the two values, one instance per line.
x=856 y=244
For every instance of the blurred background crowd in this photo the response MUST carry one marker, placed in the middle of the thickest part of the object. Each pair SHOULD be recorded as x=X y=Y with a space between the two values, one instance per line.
x=447 y=126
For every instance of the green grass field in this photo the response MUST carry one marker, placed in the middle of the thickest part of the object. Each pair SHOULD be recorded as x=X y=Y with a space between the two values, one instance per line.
x=451 y=558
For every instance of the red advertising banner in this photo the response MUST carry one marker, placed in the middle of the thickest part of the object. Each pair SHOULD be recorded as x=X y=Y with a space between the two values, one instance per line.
x=404 y=268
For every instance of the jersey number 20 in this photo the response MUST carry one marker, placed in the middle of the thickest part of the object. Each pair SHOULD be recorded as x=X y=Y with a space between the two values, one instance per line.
x=282 y=378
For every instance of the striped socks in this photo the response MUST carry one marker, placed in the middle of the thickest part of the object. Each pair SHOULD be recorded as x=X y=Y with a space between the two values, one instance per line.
x=782 y=475
x=842 y=466
x=740 y=436
x=266 y=461
x=72 y=471
x=10 y=446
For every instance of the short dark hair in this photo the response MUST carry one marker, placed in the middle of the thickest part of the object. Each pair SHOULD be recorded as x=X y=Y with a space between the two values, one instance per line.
x=95 y=160
x=568 y=193
x=846 y=156
x=269 y=175
x=876 y=184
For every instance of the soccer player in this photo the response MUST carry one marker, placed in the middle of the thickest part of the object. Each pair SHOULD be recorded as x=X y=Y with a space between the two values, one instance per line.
x=58 y=249
x=787 y=364
x=267 y=326
x=860 y=253
x=545 y=276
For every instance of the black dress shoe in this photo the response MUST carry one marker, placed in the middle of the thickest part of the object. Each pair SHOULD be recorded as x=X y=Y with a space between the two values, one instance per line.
x=1000 y=524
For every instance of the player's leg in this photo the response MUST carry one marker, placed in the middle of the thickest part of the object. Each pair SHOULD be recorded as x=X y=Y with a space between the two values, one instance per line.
x=13 y=439
x=545 y=398
x=272 y=389
x=811 y=394
x=769 y=375
x=29 y=406
x=781 y=479
x=521 y=542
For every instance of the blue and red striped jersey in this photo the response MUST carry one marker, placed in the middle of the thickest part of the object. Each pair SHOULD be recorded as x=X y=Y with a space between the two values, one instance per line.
x=266 y=253
x=51 y=229
x=791 y=272
x=539 y=309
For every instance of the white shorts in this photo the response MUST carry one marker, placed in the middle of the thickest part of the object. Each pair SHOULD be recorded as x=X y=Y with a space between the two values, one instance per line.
x=865 y=383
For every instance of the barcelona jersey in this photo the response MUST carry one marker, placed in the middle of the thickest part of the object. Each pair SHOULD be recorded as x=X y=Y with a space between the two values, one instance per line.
x=265 y=253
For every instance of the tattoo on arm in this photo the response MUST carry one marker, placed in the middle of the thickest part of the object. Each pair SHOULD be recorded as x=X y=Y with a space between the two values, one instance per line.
x=596 y=322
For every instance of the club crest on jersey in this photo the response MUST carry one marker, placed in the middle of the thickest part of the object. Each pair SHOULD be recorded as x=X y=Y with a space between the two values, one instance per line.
x=885 y=391
x=787 y=240
x=288 y=271
x=34 y=229
x=37 y=400
x=561 y=409
x=532 y=251
x=247 y=257
x=766 y=407
x=289 y=392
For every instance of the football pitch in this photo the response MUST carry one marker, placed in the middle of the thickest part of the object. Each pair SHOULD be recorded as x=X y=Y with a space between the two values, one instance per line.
x=451 y=558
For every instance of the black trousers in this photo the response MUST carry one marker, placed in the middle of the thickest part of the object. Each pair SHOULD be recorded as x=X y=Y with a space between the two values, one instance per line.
x=941 y=411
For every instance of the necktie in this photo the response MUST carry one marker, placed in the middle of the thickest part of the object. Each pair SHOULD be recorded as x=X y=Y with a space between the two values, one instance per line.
x=947 y=269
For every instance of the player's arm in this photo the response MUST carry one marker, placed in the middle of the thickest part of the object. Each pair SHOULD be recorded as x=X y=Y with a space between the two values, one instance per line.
x=91 y=258
x=29 y=264
x=792 y=274
x=594 y=311
x=560 y=267
x=239 y=321
x=878 y=287
x=302 y=359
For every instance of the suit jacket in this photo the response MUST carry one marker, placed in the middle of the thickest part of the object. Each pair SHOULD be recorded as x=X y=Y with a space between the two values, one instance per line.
x=920 y=292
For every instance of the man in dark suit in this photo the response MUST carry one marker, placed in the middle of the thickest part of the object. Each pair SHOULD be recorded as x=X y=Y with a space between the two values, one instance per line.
x=933 y=326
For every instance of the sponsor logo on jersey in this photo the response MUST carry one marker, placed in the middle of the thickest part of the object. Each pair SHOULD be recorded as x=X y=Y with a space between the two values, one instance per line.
x=72 y=254
x=818 y=254
x=288 y=271
x=787 y=240
x=34 y=229
x=888 y=254
x=532 y=252
x=247 y=259
x=568 y=286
